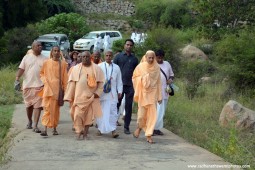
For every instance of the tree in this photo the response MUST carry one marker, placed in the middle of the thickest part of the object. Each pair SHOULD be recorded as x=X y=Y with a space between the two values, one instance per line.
x=177 y=14
x=71 y=24
x=226 y=13
x=20 y=13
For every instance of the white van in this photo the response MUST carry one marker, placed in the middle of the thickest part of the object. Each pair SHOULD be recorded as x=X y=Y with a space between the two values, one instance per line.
x=86 y=43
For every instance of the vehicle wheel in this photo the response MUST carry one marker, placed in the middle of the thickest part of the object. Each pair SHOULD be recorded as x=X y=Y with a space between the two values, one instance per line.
x=91 y=49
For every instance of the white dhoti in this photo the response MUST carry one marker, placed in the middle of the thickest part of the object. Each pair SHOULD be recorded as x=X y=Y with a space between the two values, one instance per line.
x=161 y=109
x=107 y=123
x=122 y=107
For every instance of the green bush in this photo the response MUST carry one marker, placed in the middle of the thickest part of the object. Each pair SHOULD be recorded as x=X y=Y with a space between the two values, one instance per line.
x=236 y=53
x=174 y=13
x=13 y=45
x=177 y=14
x=118 y=45
x=165 y=39
x=193 y=71
x=71 y=24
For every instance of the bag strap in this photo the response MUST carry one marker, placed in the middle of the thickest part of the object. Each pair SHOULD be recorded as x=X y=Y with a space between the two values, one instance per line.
x=106 y=71
x=60 y=75
x=163 y=73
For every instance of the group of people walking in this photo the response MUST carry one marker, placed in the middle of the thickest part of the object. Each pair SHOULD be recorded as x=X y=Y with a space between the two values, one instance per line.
x=95 y=88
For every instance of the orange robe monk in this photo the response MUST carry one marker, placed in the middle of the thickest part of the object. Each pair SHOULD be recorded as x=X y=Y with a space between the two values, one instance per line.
x=96 y=58
x=147 y=86
x=85 y=85
x=50 y=77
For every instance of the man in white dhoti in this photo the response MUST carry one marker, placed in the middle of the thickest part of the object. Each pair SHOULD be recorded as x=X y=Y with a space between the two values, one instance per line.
x=110 y=96
x=166 y=80
x=106 y=42
x=97 y=44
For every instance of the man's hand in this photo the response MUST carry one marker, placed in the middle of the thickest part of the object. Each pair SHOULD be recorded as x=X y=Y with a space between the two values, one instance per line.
x=17 y=85
x=95 y=95
x=160 y=101
x=119 y=95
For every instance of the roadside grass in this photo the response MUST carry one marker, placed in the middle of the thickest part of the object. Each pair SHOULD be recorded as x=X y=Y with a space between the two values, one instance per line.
x=7 y=92
x=197 y=121
x=8 y=97
x=5 y=123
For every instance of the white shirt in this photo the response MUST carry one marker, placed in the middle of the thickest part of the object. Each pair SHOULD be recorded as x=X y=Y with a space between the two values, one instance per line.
x=97 y=42
x=116 y=81
x=166 y=67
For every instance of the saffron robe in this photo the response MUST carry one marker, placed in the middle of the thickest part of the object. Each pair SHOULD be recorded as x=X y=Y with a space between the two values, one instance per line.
x=50 y=77
x=86 y=107
x=147 y=86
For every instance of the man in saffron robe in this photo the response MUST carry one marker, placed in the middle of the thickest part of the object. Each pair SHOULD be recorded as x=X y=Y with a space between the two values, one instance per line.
x=147 y=85
x=85 y=85
x=50 y=76
x=32 y=85
x=96 y=57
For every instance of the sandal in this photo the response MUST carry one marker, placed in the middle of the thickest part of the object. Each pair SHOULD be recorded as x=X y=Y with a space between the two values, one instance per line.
x=44 y=133
x=149 y=140
x=36 y=130
x=78 y=137
x=54 y=132
x=29 y=125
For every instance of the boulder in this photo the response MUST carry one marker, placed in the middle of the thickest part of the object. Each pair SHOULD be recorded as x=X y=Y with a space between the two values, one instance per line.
x=234 y=112
x=193 y=53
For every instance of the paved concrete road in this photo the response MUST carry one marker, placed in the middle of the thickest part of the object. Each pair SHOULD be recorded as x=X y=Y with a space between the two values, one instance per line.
x=31 y=151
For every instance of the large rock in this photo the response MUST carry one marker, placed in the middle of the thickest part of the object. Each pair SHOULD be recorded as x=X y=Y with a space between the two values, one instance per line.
x=240 y=115
x=193 y=53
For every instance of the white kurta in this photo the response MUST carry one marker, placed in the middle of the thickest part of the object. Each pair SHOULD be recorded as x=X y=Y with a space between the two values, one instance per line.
x=107 y=42
x=161 y=108
x=97 y=44
x=107 y=123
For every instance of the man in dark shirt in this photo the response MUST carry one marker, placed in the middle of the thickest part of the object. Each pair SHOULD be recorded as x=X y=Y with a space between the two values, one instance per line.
x=127 y=63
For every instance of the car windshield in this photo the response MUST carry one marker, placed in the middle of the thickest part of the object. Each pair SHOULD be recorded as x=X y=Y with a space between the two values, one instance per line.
x=90 y=36
x=47 y=46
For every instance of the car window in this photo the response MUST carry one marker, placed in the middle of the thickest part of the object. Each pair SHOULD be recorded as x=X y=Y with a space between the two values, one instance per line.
x=111 y=34
x=116 y=34
x=89 y=36
x=102 y=35
x=47 y=46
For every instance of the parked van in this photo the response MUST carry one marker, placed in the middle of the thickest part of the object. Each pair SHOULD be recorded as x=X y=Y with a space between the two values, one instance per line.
x=86 y=43
x=50 y=40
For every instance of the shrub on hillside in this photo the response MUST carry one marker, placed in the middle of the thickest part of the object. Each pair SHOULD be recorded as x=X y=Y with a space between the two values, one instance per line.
x=174 y=13
x=13 y=45
x=236 y=53
x=166 y=40
x=71 y=24
x=193 y=71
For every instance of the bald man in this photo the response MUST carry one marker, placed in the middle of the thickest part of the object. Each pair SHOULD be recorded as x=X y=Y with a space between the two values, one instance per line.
x=85 y=85
x=29 y=68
